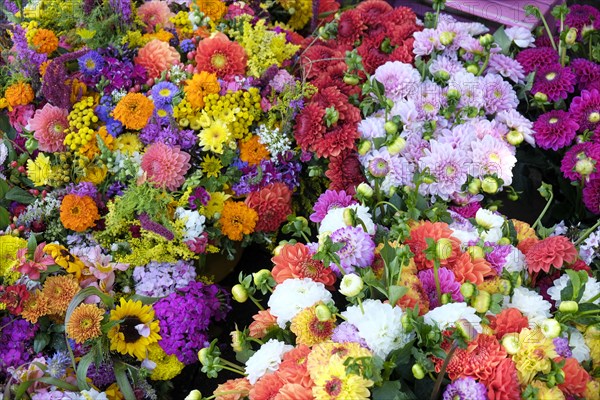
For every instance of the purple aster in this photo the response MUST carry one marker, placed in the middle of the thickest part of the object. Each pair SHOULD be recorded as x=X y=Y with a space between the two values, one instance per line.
x=115 y=189
x=123 y=8
x=555 y=81
x=90 y=63
x=161 y=279
x=591 y=196
x=497 y=257
x=498 y=94
x=561 y=345
x=582 y=154
x=167 y=133
x=448 y=167
x=580 y=16
x=16 y=343
x=587 y=72
x=465 y=389
x=329 y=200
x=347 y=333
x=585 y=109
x=163 y=93
x=448 y=284
x=555 y=129
x=536 y=58
x=398 y=79
x=102 y=375
x=358 y=250
x=507 y=67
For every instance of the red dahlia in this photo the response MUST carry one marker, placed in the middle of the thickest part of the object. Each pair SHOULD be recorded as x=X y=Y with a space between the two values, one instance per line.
x=273 y=204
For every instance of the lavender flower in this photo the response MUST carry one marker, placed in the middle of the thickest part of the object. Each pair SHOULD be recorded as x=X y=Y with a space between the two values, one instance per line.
x=170 y=134
x=498 y=94
x=329 y=200
x=161 y=279
x=448 y=166
x=497 y=257
x=123 y=8
x=102 y=375
x=163 y=93
x=398 y=79
x=465 y=389
x=346 y=332
x=57 y=364
x=16 y=343
x=155 y=227
x=561 y=345
x=201 y=195
x=507 y=67
x=448 y=284
x=358 y=250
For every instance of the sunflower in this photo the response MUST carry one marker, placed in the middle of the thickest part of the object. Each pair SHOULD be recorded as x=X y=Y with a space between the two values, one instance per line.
x=134 y=110
x=199 y=86
x=84 y=323
x=62 y=257
x=78 y=213
x=237 y=220
x=253 y=151
x=136 y=329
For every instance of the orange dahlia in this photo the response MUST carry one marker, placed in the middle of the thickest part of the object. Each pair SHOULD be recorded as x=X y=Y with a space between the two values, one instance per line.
x=553 y=251
x=471 y=270
x=45 y=41
x=273 y=203
x=296 y=261
x=263 y=322
x=19 y=94
x=233 y=389
x=524 y=230
x=431 y=230
x=504 y=384
x=200 y=85
x=133 y=111
x=266 y=388
x=295 y=372
x=237 y=220
x=294 y=391
x=157 y=56
x=60 y=290
x=84 y=323
x=253 y=151
x=510 y=320
x=78 y=213
x=221 y=56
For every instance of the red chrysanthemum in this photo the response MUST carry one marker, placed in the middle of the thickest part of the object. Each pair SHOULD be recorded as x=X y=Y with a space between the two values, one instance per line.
x=14 y=298
x=404 y=53
x=221 y=56
x=266 y=388
x=555 y=81
x=527 y=243
x=295 y=261
x=373 y=11
x=591 y=196
x=510 y=320
x=334 y=76
x=580 y=265
x=576 y=378
x=273 y=204
x=371 y=53
x=327 y=10
x=344 y=172
x=350 y=27
x=431 y=230
x=317 y=58
x=504 y=384
x=533 y=59
x=553 y=251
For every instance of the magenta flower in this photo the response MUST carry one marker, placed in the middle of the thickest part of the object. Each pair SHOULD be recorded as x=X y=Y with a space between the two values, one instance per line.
x=555 y=130
x=40 y=262
x=591 y=196
x=329 y=200
x=448 y=284
x=583 y=157
x=585 y=109
x=554 y=81
x=533 y=59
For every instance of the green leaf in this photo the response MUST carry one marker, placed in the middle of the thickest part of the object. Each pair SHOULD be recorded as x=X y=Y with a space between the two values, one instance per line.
x=19 y=195
x=82 y=368
x=502 y=39
x=395 y=293
x=576 y=282
x=3 y=188
x=40 y=342
x=22 y=389
x=31 y=244
x=58 y=383
x=145 y=299
x=392 y=390
x=122 y=381
x=4 y=218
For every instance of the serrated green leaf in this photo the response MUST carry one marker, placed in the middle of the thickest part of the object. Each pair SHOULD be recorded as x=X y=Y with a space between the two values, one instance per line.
x=19 y=195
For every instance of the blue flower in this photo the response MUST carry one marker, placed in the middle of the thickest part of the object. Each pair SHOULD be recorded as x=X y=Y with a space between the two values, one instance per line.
x=91 y=63
x=163 y=93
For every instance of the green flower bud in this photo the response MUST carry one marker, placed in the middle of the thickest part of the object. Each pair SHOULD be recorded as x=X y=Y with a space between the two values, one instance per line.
x=481 y=303
x=349 y=219
x=323 y=312
x=261 y=276
x=489 y=185
x=569 y=307
x=364 y=190
x=474 y=69
x=504 y=241
x=446 y=298
x=390 y=127
x=351 y=285
x=443 y=75
x=406 y=322
x=418 y=371
x=443 y=248
x=515 y=137
x=594 y=117
x=236 y=341
x=505 y=286
x=203 y=356
x=465 y=329
x=397 y=146
x=511 y=344
x=476 y=252
x=453 y=94
x=571 y=36
x=584 y=167
x=447 y=38
x=467 y=289
x=364 y=147
x=551 y=328
x=541 y=97
x=351 y=80
x=239 y=293
x=194 y=395
x=474 y=186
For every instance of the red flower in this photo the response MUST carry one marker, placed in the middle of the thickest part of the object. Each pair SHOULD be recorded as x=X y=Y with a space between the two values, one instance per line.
x=576 y=378
x=295 y=261
x=334 y=77
x=371 y=53
x=373 y=11
x=317 y=58
x=344 y=172
x=14 y=297
x=554 y=252
x=273 y=204
x=404 y=52
x=328 y=8
x=266 y=388
x=219 y=55
x=430 y=230
x=509 y=320
x=503 y=384
x=350 y=27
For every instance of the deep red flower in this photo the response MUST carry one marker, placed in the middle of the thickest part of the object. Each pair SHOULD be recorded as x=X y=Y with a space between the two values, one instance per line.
x=14 y=297
x=350 y=27
x=553 y=251
x=372 y=11
x=334 y=76
x=317 y=58
x=344 y=172
x=273 y=204
x=221 y=56
x=327 y=9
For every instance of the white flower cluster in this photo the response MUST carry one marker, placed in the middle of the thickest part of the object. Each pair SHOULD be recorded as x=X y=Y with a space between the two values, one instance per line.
x=274 y=141
x=335 y=220
x=379 y=325
x=591 y=289
x=491 y=223
x=294 y=295
x=531 y=304
x=446 y=316
x=125 y=165
x=40 y=209
x=194 y=222
x=266 y=360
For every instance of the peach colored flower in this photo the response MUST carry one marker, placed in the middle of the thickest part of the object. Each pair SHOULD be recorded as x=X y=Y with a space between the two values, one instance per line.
x=156 y=57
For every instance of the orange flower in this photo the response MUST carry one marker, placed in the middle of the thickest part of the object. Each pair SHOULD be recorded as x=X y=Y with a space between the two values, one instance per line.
x=293 y=391
x=84 y=323
x=415 y=295
x=430 y=230
x=221 y=56
x=78 y=213
x=266 y=388
x=233 y=389
x=43 y=67
x=157 y=56
x=45 y=41
x=215 y=10
x=35 y=307
x=295 y=261
x=471 y=270
x=509 y=320
x=19 y=94
x=504 y=384
x=60 y=290
x=134 y=110
x=263 y=323
x=554 y=251
x=253 y=151
x=200 y=85
x=273 y=203
x=576 y=378
x=524 y=230
x=237 y=220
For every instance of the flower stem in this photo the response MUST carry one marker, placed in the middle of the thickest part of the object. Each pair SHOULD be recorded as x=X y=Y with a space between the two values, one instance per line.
x=548 y=31
x=436 y=275
x=544 y=211
x=587 y=233
x=256 y=303
x=440 y=377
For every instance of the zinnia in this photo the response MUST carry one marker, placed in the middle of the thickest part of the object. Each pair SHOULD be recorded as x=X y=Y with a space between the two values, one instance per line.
x=44 y=41
x=78 y=213
x=134 y=110
x=157 y=56
x=237 y=220
x=553 y=251
x=220 y=56
x=199 y=86
x=273 y=204
x=19 y=94
x=165 y=165
x=48 y=125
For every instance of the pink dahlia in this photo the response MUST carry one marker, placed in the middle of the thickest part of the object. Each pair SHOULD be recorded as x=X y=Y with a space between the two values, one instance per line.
x=154 y=14
x=329 y=200
x=587 y=72
x=581 y=158
x=554 y=81
x=585 y=109
x=580 y=16
x=48 y=125
x=165 y=166
x=533 y=59
x=591 y=196
x=156 y=57
x=553 y=251
x=555 y=130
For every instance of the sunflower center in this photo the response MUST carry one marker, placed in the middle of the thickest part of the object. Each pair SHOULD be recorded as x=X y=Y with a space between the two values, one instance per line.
x=594 y=117
x=130 y=333
x=333 y=387
x=553 y=120
x=550 y=76
x=218 y=60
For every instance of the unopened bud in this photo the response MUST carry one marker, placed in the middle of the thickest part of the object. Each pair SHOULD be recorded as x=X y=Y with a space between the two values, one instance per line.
x=406 y=322
x=569 y=306
x=474 y=69
x=453 y=94
x=390 y=127
x=515 y=137
x=323 y=312
x=364 y=147
x=365 y=190
x=505 y=286
x=584 y=167
x=486 y=40
x=203 y=356
x=351 y=80
x=236 y=341
x=443 y=248
x=194 y=395
x=447 y=37
x=481 y=303
x=446 y=298
x=348 y=216
x=511 y=344
x=397 y=146
x=571 y=36
x=551 y=328
x=542 y=97
x=261 y=276
x=489 y=185
x=418 y=371
x=594 y=117
x=474 y=186
x=279 y=247
x=467 y=289
x=475 y=252
x=351 y=285
x=504 y=241
x=239 y=293
x=465 y=329
x=443 y=75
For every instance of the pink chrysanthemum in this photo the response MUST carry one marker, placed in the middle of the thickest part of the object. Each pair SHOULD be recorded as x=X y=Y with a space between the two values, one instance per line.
x=165 y=166
x=155 y=13
x=329 y=200
x=587 y=72
x=498 y=94
x=581 y=157
x=591 y=196
x=586 y=109
x=157 y=56
x=553 y=251
x=48 y=125
x=507 y=67
x=492 y=156
x=554 y=81
x=555 y=130
x=533 y=59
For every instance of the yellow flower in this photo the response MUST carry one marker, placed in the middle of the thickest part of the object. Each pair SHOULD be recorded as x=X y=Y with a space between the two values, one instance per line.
x=128 y=143
x=113 y=393
x=3 y=103
x=215 y=10
x=546 y=393
x=200 y=85
x=309 y=330
x=167 y=366
x=62 y=257
x=9 y=245
x=301 y=11
x=60 y=290
x=137 y=329
x=535 y=353
x=39 y=170
x=215 y=204
x=214 y=137
x=592 y=391
x=95 y=174
x=211 y=166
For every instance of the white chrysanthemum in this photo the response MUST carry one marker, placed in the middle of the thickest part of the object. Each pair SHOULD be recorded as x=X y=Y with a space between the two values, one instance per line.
x=334 y=219
x=581 y=351
x=294 y=295
x=492 y=235
x=531 y=304
x=351 y=285
x=91 y=394
x=464 y=236
x=515 y=261
x=521 y=36
x=488 y=220
x=380 y=325
x=445 y=316
x=266 y=360
x=194 y=222
x=591 y=289
x=398 y=79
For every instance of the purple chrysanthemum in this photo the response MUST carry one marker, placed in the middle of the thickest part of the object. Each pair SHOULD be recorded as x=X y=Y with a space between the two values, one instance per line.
x=428 y=99
x=591 y=196
x=561 y=345
x=90 y=63
x=358 y=249
x=555 y=81
x=448 y=284
x=497 y=257
x=167 y=133
x=347 y=333
x=555 y=130
x=445 y=65
x=581 y=157
x=465 y=389
x=163 y=93
x=398 y=79
x=507 y=67
x=395 y=170
x=580 y=16
x=585 y=109
x=329 y=200
x=161 y=279
x=448 y=166
x=498 y=94
x=538 y=57
x=586 y=71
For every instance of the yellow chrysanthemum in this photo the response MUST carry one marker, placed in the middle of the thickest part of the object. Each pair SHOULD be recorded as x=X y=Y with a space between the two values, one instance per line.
x=199 y=86
x=546 y=393
x=331 y=353
x=211 y=166
x=84 y=323
x=95 y=174
x=333 y=382
x=60 y=290
x=113 y=393
x=62 y=257
x=39 y=170
x=213 y=138
x=592 y=390
x=128 y=143
x=309 y=330
x=9 y=245
x=491 y=286
x=137 y=329
x=215 y=203
x=534 y=355
x=167 y=366
x=237 y=220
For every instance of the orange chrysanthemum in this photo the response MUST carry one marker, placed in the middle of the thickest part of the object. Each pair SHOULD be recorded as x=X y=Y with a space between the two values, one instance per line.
x=233 y=389
x=309 y=330
x=296 y=261
x=471 y=270
x=253 y=151
x=60 y=290
x=84 y=323
x=19 y=94
x=78 y=213
x=297 y=356
x=294 y=391
x=263 y=322
x=294 y=373
x=45 y=41
x=200 y=85
x=524 y=230
x=576 y=378
x=215 y=10
x=266 y=388
x=35 y=307
x=237 y=220
x=221 y=56
x=431 y=230
x=133 y=111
